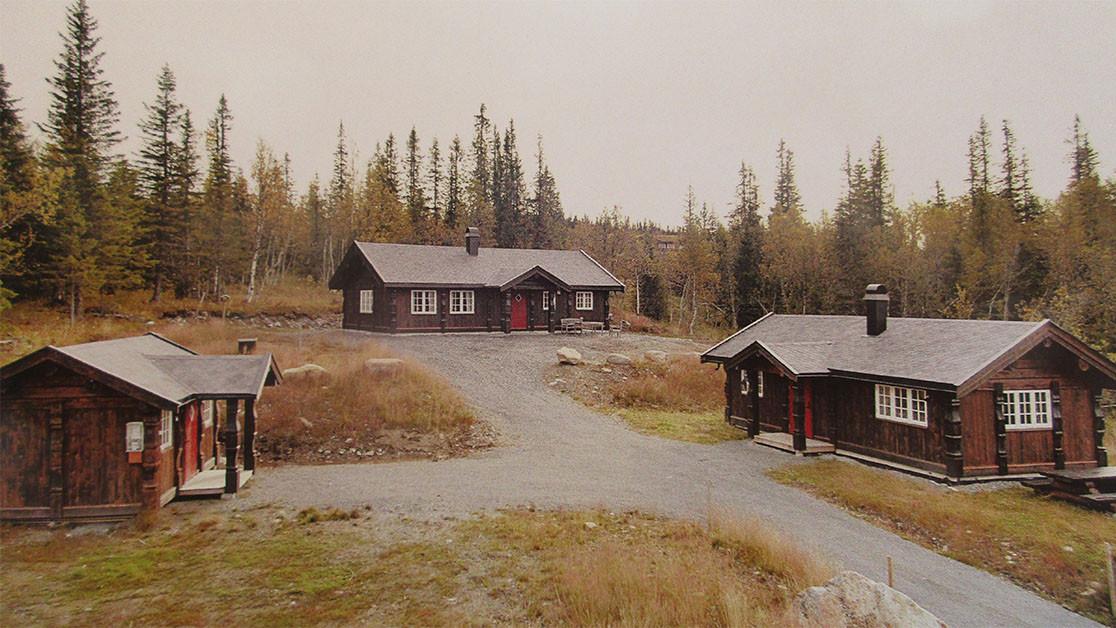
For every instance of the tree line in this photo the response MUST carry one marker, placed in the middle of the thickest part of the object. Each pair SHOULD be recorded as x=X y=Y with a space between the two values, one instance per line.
x=179 y=216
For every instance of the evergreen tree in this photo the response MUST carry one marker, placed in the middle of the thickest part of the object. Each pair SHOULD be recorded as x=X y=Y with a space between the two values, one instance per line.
x=216 y=234
x=979 y=184
x=546 y=216
x=454 y=190
x=511 y=193
x=480 y=180
x=158 y=160
x=1083 y=157
x=787 y=199
x=184 y=198
x=436 y=181
x=746 y=229
x=416 y=198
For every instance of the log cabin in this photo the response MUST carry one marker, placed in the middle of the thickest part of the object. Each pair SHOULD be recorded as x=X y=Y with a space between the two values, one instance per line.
x=953 y=399
x=104 y=430
x=420 y=288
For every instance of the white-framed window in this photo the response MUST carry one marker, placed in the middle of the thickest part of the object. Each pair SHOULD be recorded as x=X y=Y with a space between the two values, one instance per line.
x=366 y=298
x=1026 y=409
x=745 y=384
x=584 y=300
x=424 y=301
x=166 y=430
x=462 y=302
x=759 y=384
x=545 y=301
x=209 y=410
x=902 y=405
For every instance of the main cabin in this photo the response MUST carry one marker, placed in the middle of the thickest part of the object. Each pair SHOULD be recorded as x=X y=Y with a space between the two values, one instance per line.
x=105 y=430
x=419 y=288
x=953 y=398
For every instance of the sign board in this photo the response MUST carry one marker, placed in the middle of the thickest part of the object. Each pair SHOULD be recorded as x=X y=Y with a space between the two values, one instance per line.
x=133 y=441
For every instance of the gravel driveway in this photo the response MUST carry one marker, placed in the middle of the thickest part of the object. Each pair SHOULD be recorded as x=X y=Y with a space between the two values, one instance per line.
x=559 y=453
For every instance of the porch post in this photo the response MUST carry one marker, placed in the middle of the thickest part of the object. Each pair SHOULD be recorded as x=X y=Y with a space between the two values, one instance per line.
x=443 y=308
x=1057 y=425
x=55 y=480
x=799 y=418
x=730 y=374
x=1098 y=417
x=505 y=313
x=607 y=322
x=552 y=300
x=393 y=310
x=954 y=452
x=232 y=473
x=753 y=396
x=151 y=459
x=490 y=304
x=249 y=434
x=1001 y=428
x=531 y=311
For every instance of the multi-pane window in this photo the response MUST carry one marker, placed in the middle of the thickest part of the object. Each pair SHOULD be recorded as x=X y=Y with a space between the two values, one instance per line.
x=759 y=384
x=904 y=405
x=424 y=302
x=461 y=302
x=166 y=430
x=545 y=301
x=366 y=301
x=1026 y=409
x=584 y=301
x=745 y=383
x=208 y=410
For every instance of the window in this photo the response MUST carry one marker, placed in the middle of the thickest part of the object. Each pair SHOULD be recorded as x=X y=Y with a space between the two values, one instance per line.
x=366 y=301
x=461 y=302
x=209 y=410
x=584 y=301
x=166 y=430
x=1026 y=409
x=745 y=384
x=424 y=302
x=902 y=405
x=545 y=301
x=759 y=384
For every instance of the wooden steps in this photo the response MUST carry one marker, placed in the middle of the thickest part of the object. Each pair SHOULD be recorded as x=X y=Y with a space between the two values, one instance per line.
x=785 y=442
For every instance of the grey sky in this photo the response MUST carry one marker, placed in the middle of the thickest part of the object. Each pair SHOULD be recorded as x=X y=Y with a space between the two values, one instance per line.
x=635 y=100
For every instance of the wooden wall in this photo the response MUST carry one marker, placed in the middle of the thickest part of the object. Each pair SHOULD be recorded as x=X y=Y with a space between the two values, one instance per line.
x=774 y=409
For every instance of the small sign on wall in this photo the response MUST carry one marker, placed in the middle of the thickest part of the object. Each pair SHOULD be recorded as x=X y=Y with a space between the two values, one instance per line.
x=133 y=441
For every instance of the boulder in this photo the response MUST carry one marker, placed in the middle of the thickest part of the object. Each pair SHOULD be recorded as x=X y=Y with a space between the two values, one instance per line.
x=618 y=358
x=655 y=356
x=567 y=355
x=851 y=599
x=306 y=370
x=385 y=366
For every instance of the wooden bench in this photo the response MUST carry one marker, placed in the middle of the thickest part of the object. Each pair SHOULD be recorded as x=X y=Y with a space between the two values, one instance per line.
x=572 y=325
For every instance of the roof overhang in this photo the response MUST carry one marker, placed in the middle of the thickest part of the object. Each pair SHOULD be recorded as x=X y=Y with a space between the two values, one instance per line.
x=705 y=357
x=536 y=271
x=122 y=386
x=758 y=348
x=353 y=257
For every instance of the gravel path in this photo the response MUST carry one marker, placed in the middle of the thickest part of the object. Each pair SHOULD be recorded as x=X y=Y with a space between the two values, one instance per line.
x=559 y=453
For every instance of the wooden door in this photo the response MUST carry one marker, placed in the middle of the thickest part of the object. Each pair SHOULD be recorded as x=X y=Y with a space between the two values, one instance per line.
x=95 y=468
x=519 y=311
x=189 y=442
x=807 y=390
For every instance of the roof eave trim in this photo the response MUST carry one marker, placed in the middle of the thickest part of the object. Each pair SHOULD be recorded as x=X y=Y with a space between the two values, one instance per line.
x=114 y=382
x=892 y=379
x=618 y=282
x=705 y=357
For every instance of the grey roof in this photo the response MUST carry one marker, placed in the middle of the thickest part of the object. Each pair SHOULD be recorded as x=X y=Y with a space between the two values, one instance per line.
x=416 y=264
x=945 y=351
x=170 y=371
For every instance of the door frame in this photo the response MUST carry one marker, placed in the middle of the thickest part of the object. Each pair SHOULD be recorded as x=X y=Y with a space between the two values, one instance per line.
x=519 y=304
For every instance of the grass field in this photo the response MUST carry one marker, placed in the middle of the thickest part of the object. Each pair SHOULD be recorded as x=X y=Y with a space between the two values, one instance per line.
x=680 y=399
x=1050 y=547
x=273 y=567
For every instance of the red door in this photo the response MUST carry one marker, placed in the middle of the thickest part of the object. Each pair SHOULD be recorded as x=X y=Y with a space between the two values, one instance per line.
x=190 y=442
x=808 y=391
x=519 y=311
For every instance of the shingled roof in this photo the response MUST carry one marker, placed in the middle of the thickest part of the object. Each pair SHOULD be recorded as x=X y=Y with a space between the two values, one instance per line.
x=422 y=265
x=160 y=370
x=947 y=352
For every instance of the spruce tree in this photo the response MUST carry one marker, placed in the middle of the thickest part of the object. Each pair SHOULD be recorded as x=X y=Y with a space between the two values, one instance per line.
x=157 y=163
x=184 y=198
x=454 y=186
x=416 y=198
x=436 y=181
x=787 y=199
x=216 y=236
x=746 y=231
x=511 y=196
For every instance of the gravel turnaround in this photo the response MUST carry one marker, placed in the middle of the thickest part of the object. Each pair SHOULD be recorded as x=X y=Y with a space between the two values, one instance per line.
x=557 y=453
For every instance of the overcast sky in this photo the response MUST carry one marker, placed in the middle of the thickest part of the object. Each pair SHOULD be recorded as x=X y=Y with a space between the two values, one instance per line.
x=635 y=100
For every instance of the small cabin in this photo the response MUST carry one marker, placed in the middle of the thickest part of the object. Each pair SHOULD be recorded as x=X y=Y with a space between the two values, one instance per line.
x=954 y=399
x=104 y=430
x=420 y=288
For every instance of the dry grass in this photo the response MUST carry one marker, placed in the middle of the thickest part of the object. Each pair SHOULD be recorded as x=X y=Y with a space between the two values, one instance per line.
x=1051 y=547
x=682 y=384
x=268 y=567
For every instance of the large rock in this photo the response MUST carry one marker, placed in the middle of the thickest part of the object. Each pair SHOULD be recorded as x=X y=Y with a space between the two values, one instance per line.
x=618 y=358
x=383 y=366
x=306 y=370
x=655 y=356
x=851 y=599
x=568 y=355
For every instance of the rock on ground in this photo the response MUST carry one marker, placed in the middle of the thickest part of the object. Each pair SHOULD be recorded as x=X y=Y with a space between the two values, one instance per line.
x=655 y=356
x=851 y=599
x=569 y=355
x=618 y=358
x=306 y=370
x=386 y=366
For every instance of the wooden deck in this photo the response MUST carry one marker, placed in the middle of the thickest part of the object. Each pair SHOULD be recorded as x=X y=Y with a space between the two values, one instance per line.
x=210 y=483
x=1092 y=488
x=785 y=442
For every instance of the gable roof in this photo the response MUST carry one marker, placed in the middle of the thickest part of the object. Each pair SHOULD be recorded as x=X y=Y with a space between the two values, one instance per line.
x=424 y=265
x=158 y=370
x=953 y=353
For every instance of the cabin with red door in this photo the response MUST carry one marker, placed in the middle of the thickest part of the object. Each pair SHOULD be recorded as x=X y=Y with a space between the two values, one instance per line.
x=420 y=288
x=953 y=399
x=104 y=430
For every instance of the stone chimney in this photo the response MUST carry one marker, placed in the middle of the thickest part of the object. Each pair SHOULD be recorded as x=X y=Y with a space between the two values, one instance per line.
x=472 y=241
x=875 y=307
x=245 y=346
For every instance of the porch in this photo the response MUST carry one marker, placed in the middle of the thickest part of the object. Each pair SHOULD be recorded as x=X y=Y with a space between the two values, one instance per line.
x=211 y=483
x=785 y=442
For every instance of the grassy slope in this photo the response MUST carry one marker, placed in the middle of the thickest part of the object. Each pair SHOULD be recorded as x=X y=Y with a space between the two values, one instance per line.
x=272 y=567
x=681 y=399
x=1051 y=547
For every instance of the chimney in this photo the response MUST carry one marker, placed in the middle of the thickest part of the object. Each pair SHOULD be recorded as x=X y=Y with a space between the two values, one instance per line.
x=875 y=307
x=472 y=241
x=245 y=346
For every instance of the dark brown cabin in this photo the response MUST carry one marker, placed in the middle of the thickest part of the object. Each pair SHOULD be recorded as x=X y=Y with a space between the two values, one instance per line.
x=105 y=430
x=418 y=288
x=952 y=398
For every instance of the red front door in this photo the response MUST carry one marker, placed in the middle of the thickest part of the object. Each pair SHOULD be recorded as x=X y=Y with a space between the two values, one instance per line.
x=519 y=311
x=190 y=441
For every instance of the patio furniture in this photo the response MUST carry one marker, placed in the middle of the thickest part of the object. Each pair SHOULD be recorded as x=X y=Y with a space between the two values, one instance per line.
x=571 y=325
